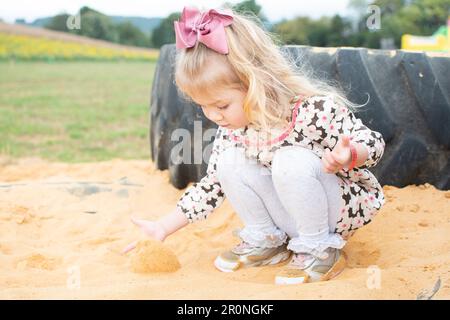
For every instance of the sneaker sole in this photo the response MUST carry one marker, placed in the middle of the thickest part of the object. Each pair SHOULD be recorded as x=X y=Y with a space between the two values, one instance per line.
x=231 y=266
x=337 y=268
x=279 y=280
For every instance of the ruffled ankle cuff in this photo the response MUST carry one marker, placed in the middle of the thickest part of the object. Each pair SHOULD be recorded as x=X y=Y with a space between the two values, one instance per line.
x=316 y=247
x=271 y=238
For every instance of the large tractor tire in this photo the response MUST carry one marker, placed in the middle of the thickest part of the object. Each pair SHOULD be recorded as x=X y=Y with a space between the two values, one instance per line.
x=409 y=103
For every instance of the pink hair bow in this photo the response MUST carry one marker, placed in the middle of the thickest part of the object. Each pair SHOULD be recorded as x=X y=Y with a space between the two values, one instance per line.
x=207 y=27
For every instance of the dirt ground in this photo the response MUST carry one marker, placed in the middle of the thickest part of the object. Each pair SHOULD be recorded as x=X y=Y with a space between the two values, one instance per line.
x=63 y=226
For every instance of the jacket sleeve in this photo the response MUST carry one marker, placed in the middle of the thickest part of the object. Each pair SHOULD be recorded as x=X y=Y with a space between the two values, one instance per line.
x=333 y=120
x=201 y=198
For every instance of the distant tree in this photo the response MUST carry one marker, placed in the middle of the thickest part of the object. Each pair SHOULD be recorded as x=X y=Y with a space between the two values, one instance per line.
x=18 y=21
x=248 y=6
x=130 y=35
x=96 y=25
x=422 y=17
x=164 y=34
x=305 y=31
x=294 y=31
x=419 y=17
x=398 y=17
x=340 y=31
x=58 y=22
x=319 y=32
x=359 y=6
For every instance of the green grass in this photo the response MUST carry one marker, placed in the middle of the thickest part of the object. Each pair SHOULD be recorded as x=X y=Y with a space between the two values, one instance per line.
x=75 y=111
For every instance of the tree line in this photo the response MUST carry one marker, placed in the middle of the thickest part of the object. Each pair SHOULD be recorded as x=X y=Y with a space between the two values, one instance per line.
x=97 y=25
x=396 y=17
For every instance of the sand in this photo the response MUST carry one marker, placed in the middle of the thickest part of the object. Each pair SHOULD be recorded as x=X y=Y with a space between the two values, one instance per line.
x=63 y=226
x=153 y=256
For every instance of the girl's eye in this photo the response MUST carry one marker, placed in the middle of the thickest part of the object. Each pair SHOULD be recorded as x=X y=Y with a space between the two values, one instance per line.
x=224 y=107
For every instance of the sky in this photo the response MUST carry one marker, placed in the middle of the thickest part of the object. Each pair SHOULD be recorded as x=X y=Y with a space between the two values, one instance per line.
x=275 y=10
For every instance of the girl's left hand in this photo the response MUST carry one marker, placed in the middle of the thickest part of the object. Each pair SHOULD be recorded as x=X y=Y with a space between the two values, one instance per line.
x=339 y=157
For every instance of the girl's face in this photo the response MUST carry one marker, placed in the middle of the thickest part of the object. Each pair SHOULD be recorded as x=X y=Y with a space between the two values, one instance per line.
x=226 y=110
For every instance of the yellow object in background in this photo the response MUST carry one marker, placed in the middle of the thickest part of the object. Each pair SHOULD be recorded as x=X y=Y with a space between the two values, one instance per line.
x=439 y=41
x=25 y=47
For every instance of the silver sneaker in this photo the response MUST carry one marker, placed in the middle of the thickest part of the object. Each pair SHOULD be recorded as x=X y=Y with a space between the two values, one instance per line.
x=305 y=268
x=246 y=255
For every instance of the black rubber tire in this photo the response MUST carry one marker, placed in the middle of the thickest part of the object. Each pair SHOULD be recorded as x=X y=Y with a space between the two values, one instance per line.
x=409 y=104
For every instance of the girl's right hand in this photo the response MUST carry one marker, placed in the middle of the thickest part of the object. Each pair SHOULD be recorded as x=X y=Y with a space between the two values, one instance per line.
x=152 y=229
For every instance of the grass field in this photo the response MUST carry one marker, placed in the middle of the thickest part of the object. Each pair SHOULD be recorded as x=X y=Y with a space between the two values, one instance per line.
x=75 y=111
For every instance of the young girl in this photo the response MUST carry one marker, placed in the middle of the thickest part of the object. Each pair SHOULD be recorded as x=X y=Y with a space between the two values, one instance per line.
x=289 y=154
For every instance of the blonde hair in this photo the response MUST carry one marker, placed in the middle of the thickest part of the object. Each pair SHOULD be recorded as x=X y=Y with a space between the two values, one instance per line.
x=256 y=65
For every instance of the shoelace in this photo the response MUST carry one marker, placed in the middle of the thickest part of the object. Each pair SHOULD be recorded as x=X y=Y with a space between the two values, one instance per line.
x=300 y=259
x=243 y=245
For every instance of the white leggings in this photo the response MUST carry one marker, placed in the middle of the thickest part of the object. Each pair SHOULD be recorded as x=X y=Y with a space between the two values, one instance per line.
x=295 y=201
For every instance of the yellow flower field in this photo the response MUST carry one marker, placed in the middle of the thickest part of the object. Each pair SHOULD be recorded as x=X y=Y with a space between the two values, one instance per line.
x=24 y=47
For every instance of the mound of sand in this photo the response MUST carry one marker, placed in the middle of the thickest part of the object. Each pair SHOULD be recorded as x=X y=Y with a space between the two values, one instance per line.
x=58 y=243
x=152 y=256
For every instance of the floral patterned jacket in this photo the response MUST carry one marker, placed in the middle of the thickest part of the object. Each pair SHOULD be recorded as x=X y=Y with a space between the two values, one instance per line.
x=318 y=125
